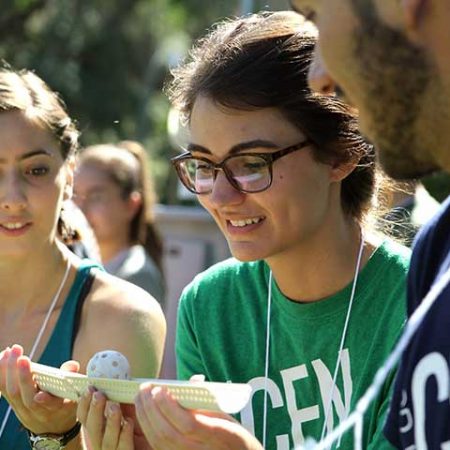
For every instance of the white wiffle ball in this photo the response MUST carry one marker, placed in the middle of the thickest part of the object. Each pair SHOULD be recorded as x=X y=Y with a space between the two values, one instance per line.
x=109 y=364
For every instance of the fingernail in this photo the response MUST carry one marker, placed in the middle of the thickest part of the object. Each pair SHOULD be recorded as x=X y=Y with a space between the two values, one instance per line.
x=38 y=397
x=112 y=410
x=155 y=389
x=96 y=398
x=17 y=349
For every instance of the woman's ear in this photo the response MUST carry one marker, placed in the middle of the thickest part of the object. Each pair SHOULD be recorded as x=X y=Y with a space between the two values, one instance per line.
x=134 y=203
x=340 y=171
x=68 y=192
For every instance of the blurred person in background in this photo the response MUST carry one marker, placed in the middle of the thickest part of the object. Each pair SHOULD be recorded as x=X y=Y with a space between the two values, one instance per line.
x=114 y=190
x=54 y=307
x=314 y=300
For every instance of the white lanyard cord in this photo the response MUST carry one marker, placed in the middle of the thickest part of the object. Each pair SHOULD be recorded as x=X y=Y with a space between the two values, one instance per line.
x=344 y=333
x=39 y=336
x=266 y=365
x=341 y=346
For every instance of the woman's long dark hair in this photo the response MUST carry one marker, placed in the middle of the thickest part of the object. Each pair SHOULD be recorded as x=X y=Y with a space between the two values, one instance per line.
x=25 y=92
x=262 y=61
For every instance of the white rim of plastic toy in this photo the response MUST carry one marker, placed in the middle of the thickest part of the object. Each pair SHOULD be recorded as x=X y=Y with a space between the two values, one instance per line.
x=229 y=398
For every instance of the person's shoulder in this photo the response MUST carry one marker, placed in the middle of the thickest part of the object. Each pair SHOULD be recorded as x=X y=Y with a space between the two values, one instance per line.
x=387 y=268
x=435 y=231
x=112 y=295
x=430 y=253
x=225 y=270
x=119 y=315
x=382 y=286
x=223 y=278
x=137 y=260
x=146 y=271
x=432 y=243
x=395 y=253
x=222 y=287
x=140 y=269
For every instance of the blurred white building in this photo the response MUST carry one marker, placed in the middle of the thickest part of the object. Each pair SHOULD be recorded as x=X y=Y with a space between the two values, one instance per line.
x=192 y=243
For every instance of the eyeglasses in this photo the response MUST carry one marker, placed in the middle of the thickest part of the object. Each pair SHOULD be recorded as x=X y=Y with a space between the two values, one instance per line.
x=246 y=172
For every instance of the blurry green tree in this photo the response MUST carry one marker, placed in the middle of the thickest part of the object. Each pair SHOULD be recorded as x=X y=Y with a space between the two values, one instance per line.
x=109 y=60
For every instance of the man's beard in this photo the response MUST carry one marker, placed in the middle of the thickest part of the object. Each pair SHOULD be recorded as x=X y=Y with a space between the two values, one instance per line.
x=395 y=75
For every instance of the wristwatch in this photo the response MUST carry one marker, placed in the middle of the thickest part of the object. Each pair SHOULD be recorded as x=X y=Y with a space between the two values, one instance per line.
x=52 y=441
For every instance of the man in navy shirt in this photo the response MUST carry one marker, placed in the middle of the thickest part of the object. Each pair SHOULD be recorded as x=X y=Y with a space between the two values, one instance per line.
x=391 y=59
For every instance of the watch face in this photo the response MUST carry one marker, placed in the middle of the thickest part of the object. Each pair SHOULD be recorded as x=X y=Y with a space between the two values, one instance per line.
x=46 y=443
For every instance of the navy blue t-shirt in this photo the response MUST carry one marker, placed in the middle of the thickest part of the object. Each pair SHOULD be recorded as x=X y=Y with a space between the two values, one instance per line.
x=419 y=417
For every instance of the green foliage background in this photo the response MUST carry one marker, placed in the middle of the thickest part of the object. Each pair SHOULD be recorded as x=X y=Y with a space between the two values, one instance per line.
x=109 y=60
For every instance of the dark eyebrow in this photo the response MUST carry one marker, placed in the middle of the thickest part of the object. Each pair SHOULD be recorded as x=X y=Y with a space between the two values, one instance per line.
x=257 y=143
x=197 y=148
x=37 y=152
x=31 y=154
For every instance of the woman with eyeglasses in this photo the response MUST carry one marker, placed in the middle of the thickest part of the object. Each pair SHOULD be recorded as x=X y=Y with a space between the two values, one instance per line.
x=313 y=300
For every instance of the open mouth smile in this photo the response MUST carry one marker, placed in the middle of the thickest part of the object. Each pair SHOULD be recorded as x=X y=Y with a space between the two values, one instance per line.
x=245 y=222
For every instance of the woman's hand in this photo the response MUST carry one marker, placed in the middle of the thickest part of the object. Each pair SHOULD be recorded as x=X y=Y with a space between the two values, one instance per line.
x=169 y=426
x=37 y=410
x=108 y=425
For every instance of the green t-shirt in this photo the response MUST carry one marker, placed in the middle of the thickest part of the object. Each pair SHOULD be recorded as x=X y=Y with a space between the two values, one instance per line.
x=222 y=334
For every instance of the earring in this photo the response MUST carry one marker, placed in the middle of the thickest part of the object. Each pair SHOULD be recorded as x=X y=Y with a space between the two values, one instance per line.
x=66 y=231
x=68 y=192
